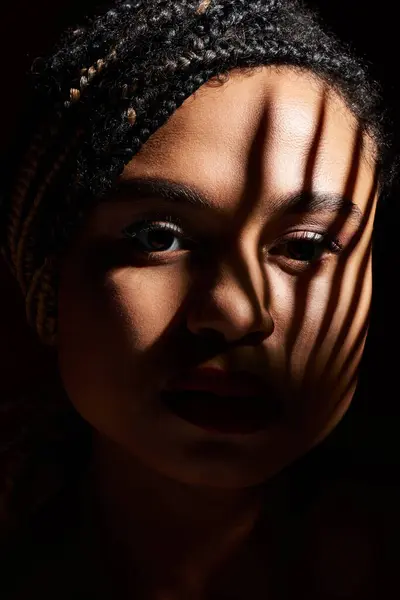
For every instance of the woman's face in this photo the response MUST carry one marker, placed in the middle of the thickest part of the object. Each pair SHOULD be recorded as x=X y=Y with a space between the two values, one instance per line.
x=270 y=274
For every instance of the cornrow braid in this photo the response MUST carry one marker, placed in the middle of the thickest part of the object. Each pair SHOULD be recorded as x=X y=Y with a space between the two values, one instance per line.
x=27 y=173
x=24 y=259
x=109 y=85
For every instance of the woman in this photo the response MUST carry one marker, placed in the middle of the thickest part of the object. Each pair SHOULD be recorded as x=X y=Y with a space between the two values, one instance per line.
x=191 y=224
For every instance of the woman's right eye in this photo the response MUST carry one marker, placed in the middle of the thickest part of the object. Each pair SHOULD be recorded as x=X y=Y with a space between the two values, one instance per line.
x=159 y=236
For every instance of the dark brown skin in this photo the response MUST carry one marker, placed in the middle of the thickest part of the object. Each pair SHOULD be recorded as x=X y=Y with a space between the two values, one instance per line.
x=182 y=501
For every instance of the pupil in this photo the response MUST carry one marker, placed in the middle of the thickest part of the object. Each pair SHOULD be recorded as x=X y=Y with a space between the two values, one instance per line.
x=301 y=250
x=159 y=239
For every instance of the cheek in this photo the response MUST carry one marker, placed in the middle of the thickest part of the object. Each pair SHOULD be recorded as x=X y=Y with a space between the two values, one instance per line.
x=124 y=310
x=145 y=302
x=111 y=332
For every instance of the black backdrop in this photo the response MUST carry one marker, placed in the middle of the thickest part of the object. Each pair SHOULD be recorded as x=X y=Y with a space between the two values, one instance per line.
x=27 y=30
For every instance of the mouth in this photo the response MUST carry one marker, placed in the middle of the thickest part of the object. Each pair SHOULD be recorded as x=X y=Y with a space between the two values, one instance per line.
x=222 y=414
x=222 y=402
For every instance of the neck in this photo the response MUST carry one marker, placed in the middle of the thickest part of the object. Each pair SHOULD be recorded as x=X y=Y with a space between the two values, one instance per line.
x=176 y=533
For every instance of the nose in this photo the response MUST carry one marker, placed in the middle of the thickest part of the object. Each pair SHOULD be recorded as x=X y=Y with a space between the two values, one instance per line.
x=234 y=306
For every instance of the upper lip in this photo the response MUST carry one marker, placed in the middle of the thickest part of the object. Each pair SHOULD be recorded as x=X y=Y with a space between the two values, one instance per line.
x=220 y=382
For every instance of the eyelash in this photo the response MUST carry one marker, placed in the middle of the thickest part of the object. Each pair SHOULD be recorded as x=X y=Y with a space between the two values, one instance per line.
x=174 y=225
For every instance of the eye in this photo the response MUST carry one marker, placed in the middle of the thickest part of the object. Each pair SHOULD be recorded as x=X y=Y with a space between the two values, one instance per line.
x=306 y=247
x=151 y=236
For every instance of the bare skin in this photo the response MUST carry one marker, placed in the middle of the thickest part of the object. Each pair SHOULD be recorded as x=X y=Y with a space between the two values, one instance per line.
x=183 y=502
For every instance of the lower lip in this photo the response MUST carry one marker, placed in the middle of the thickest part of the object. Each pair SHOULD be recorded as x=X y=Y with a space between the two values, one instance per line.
x=223 y=415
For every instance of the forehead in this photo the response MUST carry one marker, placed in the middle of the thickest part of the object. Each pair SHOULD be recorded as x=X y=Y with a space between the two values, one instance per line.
x=284 y=120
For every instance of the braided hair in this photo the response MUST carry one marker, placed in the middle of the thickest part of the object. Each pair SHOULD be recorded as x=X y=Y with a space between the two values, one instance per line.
x=109 y=85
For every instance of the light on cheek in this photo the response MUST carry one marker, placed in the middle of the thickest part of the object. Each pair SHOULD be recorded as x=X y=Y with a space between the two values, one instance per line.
x=145 y=302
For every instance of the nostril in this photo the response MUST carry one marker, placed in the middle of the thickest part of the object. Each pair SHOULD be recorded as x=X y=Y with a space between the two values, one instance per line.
x=212 y=334
x=253 y=338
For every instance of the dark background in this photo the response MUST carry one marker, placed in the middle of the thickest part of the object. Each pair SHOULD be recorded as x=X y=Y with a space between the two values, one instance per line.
x=369 y=441
x=28 y=30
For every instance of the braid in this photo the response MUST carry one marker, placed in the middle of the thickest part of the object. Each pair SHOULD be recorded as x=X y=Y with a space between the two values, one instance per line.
x=27 y=174
x=119 y=78
x=23 y=259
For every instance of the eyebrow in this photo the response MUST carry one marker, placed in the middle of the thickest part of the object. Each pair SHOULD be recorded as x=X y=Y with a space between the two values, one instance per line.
x=299 y=202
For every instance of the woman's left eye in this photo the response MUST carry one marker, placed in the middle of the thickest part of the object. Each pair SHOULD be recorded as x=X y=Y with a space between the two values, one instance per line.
x=306 y=247
x=157 y=236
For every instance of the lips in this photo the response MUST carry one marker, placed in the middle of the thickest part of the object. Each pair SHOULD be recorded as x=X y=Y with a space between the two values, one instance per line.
x=221 y=403
x=218 y=382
